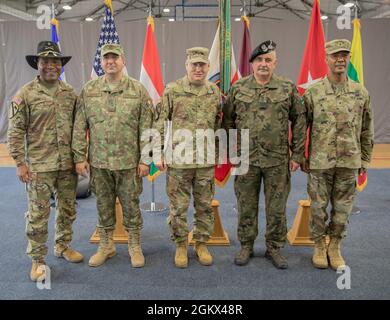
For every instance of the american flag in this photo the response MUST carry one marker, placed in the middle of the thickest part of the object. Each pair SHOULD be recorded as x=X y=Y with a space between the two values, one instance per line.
x=108 y=34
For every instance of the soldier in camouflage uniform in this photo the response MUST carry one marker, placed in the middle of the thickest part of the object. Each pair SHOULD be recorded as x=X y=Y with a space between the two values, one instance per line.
x=341 y=140
x=191 y=103
x=39 y=140
x=265 y=103
x=115 y=109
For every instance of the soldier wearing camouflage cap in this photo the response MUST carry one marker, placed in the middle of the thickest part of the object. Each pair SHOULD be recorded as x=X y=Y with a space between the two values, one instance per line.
x=39 y=140
x=264 y=103
x=340 y=118
x=116 y=110
x=190 y=103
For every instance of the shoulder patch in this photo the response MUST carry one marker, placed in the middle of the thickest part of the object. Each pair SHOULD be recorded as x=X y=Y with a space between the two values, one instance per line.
x=17 y=100
x=15 y=109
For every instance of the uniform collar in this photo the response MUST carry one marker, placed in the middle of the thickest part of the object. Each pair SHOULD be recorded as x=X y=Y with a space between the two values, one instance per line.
x=190 y=89
x=40 y=87
x=329 y=89
x=122 y=85
x=272 y=84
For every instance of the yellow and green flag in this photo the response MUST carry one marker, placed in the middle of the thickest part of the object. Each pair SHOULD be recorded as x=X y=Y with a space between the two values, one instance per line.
x=355 y=72
x=355 y=67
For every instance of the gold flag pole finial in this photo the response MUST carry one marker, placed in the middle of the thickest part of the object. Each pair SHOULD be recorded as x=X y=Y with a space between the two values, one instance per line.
x=150 y=17
x=108 y=3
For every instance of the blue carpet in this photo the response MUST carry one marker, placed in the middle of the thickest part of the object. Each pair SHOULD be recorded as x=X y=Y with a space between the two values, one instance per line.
x=366 y=250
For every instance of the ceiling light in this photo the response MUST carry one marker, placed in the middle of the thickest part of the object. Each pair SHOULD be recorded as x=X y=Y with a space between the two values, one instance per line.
x=166 y=10
x=171 y=19
x=237 y=19
x=324 y=17
x=89 y=19
x=67 y=7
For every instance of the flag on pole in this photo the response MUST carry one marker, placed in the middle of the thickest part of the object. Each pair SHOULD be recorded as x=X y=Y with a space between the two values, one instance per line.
x=355 y=72
x=222 y=171
x=55 y=28
x=225 y=45
x=313 y=66
x=246 y=49
x=355 y=66
x=108 y=34
x=151 y=76
x=214 y=74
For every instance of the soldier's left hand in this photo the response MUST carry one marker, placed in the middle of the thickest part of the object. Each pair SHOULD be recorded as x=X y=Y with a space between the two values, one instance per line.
x=293 y=165
x=362 y=170
x=143 y=170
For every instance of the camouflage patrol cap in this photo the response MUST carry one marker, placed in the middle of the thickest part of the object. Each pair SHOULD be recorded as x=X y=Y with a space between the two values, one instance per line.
x=112 y=48
x=337 y=45
x=263 y=48
x=198 y=54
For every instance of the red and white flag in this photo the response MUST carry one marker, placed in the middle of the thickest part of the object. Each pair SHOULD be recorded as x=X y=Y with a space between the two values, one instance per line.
x=313 y=66
x=151 y=76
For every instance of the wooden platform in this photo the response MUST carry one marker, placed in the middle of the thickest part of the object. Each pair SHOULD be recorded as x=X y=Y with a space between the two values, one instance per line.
x=380 y=160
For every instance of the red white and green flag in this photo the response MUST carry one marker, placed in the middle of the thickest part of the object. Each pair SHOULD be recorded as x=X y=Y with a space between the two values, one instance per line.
x=151 y=76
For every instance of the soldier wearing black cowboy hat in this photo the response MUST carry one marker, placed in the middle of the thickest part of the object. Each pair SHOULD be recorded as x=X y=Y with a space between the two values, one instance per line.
x=39 y=140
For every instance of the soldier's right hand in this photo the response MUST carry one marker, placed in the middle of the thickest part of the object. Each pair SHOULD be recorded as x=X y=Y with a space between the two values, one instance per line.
x=305 y=166
x=82 y=168
x=23 y=173
x=161 y=165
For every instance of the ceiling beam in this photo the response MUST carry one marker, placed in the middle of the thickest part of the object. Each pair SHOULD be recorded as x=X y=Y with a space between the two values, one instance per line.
x=17 y=13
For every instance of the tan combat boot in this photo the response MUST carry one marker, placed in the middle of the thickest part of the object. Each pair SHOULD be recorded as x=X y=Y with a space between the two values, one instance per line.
x=135 y=251
x=242 y=257
x=38 y=270
x=320 y=258
x=334 y=254
x=181 y=256
x=66 y=252
x=203 y=254
x=105 y=250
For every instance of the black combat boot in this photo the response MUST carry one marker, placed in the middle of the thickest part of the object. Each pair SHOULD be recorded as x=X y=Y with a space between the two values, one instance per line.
x=276 y=258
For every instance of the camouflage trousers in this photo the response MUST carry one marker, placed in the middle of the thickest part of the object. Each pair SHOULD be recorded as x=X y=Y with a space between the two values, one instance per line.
x=40 y=189
x=180 y=182
x=107 y=185
x=337 y=185
x=276 y=190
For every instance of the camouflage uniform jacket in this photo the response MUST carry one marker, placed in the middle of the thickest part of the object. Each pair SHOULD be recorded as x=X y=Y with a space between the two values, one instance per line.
x=266 y=111
x=190 y=109
x=341 y=124
x=116 y=120
x=40 y=127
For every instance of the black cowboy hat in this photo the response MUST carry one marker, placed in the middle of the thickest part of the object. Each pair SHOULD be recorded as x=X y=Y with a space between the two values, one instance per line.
x=47 y=49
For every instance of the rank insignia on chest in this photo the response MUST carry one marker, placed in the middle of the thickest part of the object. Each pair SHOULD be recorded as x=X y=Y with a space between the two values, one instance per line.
x=263 y=102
